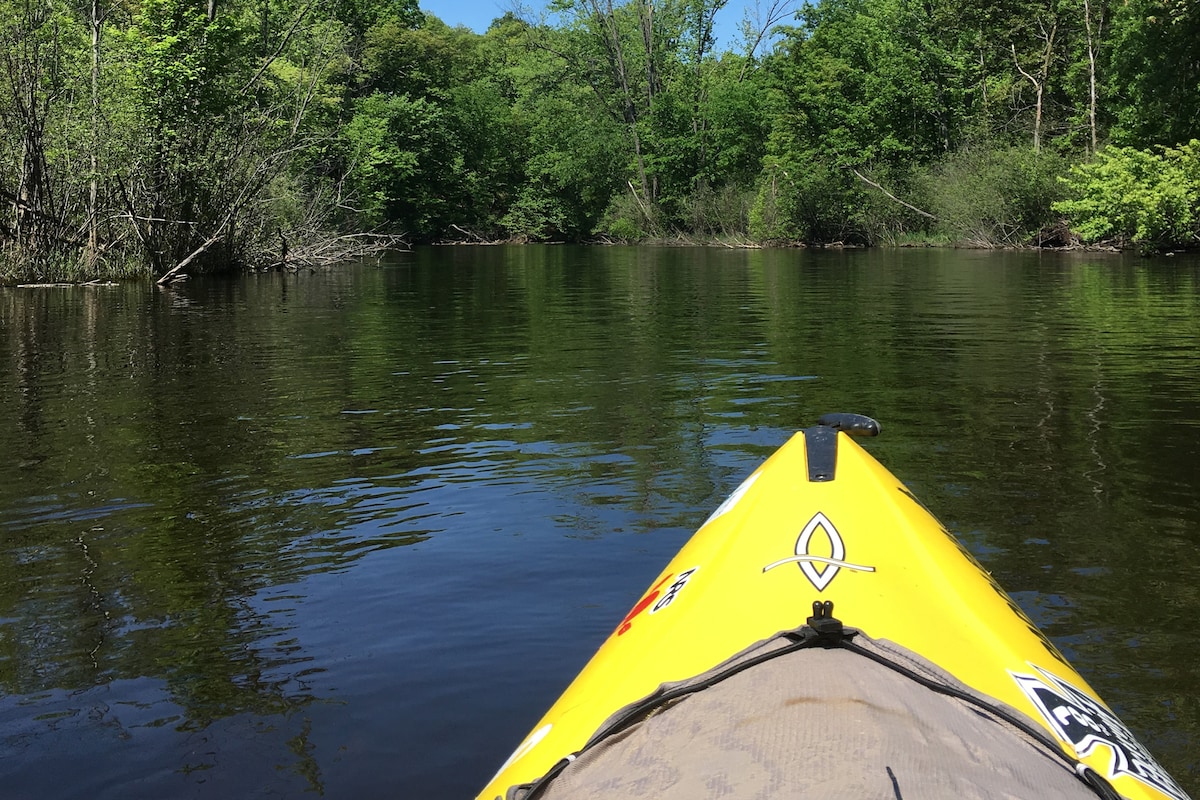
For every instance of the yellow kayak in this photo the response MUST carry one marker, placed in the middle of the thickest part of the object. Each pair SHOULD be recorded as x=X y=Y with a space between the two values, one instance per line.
x=822 y=635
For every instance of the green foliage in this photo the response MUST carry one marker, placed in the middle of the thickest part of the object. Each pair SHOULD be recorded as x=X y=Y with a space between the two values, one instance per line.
x=187 y=69
x=43 y=133
x=1155 y=71
x=394 y=151
x=491 y=140
x=736 y=123
x=426 y=61
x=573 y=154
x=862 y=86
x=812 y=203
x=869 y=82
x=771 y=217
x=629 y=219
x=576 y=158
x=986 y=195
x=720 y=212
x=1147 y=198
x=652 y=72
x=363 y=15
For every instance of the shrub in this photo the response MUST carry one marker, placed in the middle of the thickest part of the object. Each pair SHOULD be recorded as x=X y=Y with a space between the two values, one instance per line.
x=628 y=219
x=989 y=196
x=717 y=212
x=810 y=202
x=1149 y=199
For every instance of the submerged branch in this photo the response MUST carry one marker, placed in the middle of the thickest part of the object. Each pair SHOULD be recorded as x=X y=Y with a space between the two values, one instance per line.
x=324 y=249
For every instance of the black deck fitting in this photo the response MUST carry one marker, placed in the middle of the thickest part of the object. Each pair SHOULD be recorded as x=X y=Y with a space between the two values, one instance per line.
x=821 y=441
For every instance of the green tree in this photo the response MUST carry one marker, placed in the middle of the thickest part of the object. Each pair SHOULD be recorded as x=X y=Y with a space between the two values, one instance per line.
x=166 y=132
x=1155 y=72
x=992 y=195
x=867 y=89
x=649 y=65
x=434 y=146
x=187 y=79
x=575 y=152
x=395 y=146
x=42 y=128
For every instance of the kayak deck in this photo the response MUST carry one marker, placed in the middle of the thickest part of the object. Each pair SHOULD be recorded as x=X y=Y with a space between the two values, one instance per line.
x=817 y=713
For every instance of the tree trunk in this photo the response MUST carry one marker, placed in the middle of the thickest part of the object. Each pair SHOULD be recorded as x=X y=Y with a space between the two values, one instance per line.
x=612 y=42
x=645 y=10
x=1039 y=81
x=1092 y=47
x=93 y=243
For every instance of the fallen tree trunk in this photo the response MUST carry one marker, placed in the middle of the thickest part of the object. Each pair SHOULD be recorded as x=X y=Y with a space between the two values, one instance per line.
x=170 y=274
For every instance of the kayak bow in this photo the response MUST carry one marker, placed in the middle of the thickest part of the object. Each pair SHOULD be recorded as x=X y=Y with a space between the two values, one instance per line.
x=823 y=531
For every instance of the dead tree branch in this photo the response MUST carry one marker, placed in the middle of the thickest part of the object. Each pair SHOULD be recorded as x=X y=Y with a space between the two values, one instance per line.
x=891 y=196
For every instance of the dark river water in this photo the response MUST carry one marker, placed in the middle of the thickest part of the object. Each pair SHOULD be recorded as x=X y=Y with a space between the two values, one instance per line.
x=350 y=533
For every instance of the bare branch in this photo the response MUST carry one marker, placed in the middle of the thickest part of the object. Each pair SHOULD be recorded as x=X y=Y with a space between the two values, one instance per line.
x=756 y=26
x=891 y=196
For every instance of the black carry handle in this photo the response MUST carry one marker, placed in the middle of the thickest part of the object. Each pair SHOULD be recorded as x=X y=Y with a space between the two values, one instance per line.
x=853 y=424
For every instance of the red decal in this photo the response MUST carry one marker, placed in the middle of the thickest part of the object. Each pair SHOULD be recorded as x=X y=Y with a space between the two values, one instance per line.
x=642 y=605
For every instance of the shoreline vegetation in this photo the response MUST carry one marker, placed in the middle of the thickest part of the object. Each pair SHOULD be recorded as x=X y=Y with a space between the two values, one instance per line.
x=161 y=138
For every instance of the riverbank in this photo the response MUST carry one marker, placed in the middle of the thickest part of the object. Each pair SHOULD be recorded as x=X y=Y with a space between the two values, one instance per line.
x=73 y=274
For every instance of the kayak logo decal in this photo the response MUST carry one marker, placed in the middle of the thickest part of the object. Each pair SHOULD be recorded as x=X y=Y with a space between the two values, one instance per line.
x=657 y=598
x=673 y=590
x=1085 y=724
x=829 y=565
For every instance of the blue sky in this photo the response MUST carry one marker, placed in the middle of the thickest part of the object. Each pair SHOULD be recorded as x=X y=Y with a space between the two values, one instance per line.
x=478 y=14
x=475 y=14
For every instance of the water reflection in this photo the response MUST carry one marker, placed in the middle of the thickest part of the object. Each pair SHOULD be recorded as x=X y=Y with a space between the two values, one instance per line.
x=293 y=533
